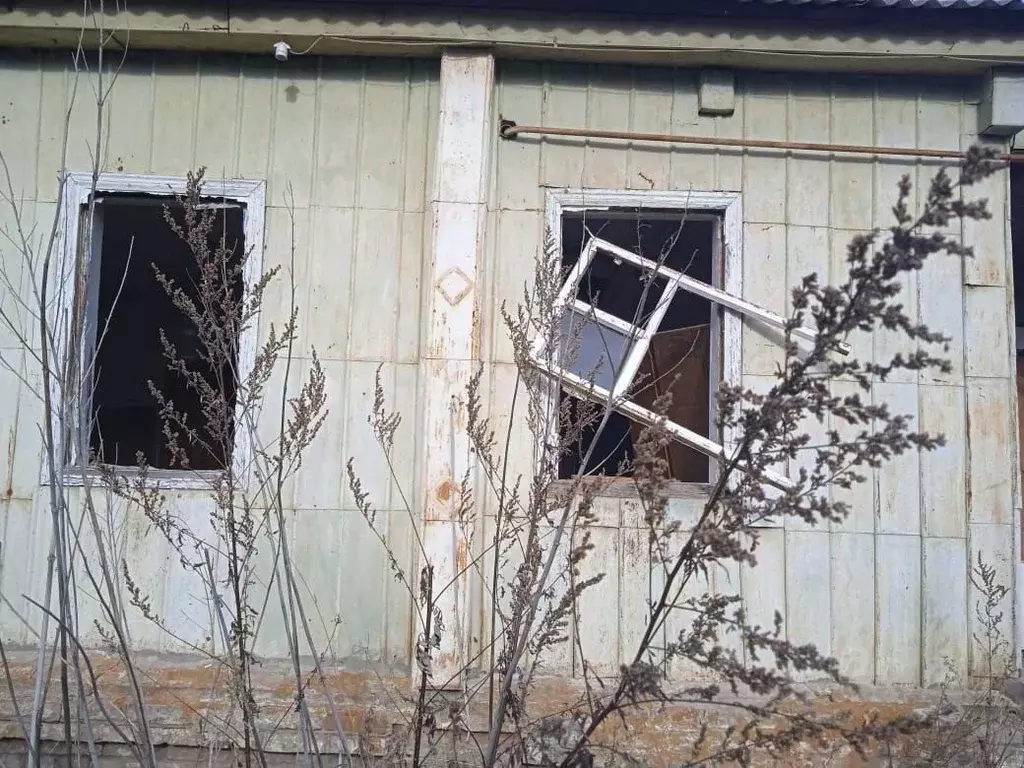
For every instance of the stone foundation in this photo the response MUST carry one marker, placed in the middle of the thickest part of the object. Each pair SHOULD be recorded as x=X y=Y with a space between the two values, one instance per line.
x=189 y=702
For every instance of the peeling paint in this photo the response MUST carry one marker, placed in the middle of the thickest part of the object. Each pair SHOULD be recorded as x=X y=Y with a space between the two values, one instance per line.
x=443 y=492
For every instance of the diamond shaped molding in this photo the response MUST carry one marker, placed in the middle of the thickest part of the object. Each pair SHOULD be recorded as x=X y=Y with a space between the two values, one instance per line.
x=454 y=285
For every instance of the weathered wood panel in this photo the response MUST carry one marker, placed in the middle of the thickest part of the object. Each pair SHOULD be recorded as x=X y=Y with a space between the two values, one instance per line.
x=800 y=213
x=346 y=147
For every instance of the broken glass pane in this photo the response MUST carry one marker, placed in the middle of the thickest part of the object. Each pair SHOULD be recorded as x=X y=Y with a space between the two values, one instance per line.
x=591 y=350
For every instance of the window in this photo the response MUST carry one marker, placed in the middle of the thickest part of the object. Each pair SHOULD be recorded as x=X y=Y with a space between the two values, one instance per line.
x=123 y=309
x=650 y=303
x=678 y=327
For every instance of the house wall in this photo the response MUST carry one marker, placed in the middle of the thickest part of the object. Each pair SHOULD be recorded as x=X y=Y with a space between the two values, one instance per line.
x=887 y=592
x=345 y=147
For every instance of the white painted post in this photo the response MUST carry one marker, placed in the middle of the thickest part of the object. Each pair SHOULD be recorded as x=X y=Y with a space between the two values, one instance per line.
x=457 y=208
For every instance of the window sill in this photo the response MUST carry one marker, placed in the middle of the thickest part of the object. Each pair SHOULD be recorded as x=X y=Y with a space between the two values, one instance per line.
x=166 y=479
x=625 y=488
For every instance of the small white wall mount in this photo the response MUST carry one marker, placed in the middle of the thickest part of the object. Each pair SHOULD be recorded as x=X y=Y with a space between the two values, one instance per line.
x=716 y=92
x=1001 y=112
x=281 y=50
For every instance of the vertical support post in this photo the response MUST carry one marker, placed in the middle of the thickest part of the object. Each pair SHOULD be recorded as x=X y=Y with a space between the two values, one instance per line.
x=457 y=208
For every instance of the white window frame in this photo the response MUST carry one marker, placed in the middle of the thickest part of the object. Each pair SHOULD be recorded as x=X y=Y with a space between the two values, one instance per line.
x=62 y=292
x=728 y=206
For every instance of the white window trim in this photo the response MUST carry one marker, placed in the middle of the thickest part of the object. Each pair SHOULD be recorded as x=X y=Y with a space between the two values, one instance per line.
x=727 y=205
x=61 y=298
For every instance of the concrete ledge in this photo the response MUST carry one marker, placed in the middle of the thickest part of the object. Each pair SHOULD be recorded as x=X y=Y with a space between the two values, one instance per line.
x=188 y=698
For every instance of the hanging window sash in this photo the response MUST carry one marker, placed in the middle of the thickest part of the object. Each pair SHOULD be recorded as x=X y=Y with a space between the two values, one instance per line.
x=619 y=346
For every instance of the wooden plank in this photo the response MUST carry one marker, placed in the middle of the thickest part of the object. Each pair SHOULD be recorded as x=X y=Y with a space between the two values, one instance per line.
x=764 y=173
x=941 y=308
x=853 y=626
x=175 y=101
x=420 y=133
x=809 y=590
x=649 y=165
x=397 y=647
x=327 y=322
x=944 y=470
x=945 y=610
x=680 y=621
x=282 y=239
x=886 y=344
x=634 y=586
x=899 y=479
x=362 y=601
x=20 y=80
x=375 y=277
x=806 y=253
x=807 y=177
x=599 y=606
x=148 y=558
x=52 y=115
x=608 y=109
x=338 y=132
x=986 y=336
x=293 y=151
x=764 y=284
x=806 y=459
x=839 y=271
x=938 y=124
x=518 y=167
x=692 y=167
x=764 y=586
x=861 y=497
x=560 y=658
x=186 y=606
x=895 y=125
x=20 y=575
x=373 y=467
x=995 y=545
x=730 y=163
x=565 y=102
x=217 y=117
x=852 y=187
x=408 y=319
x=382 y=138
x=898 y=588
x=322 y=483
x=990 y=444
x=255 y=123
x=989 y=237
x=515 y=237
x=402 y=390
x=320 y=555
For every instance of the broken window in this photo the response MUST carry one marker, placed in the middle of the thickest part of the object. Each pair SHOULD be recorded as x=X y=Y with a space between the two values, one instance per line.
x=678 y=358
x=126 y=311
x=641 y=317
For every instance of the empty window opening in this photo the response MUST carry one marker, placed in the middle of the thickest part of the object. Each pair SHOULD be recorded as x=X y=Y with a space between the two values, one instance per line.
x=130 y=309
x=682 y=357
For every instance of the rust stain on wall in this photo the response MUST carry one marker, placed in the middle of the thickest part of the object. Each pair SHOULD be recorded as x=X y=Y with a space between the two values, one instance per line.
x=443 y=492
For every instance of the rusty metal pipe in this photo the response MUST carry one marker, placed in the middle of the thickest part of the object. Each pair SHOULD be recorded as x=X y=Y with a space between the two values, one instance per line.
x=510 y=130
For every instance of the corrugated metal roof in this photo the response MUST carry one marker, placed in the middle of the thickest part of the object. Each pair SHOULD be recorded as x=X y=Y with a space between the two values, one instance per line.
x=1006 y=4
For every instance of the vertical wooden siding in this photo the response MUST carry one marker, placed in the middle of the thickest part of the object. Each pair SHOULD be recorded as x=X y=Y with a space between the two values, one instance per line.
x=888 y=591
x=346 y=148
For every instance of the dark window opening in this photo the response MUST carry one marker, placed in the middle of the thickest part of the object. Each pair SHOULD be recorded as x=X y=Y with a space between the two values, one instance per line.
x=131 y=309
x=680 y=358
